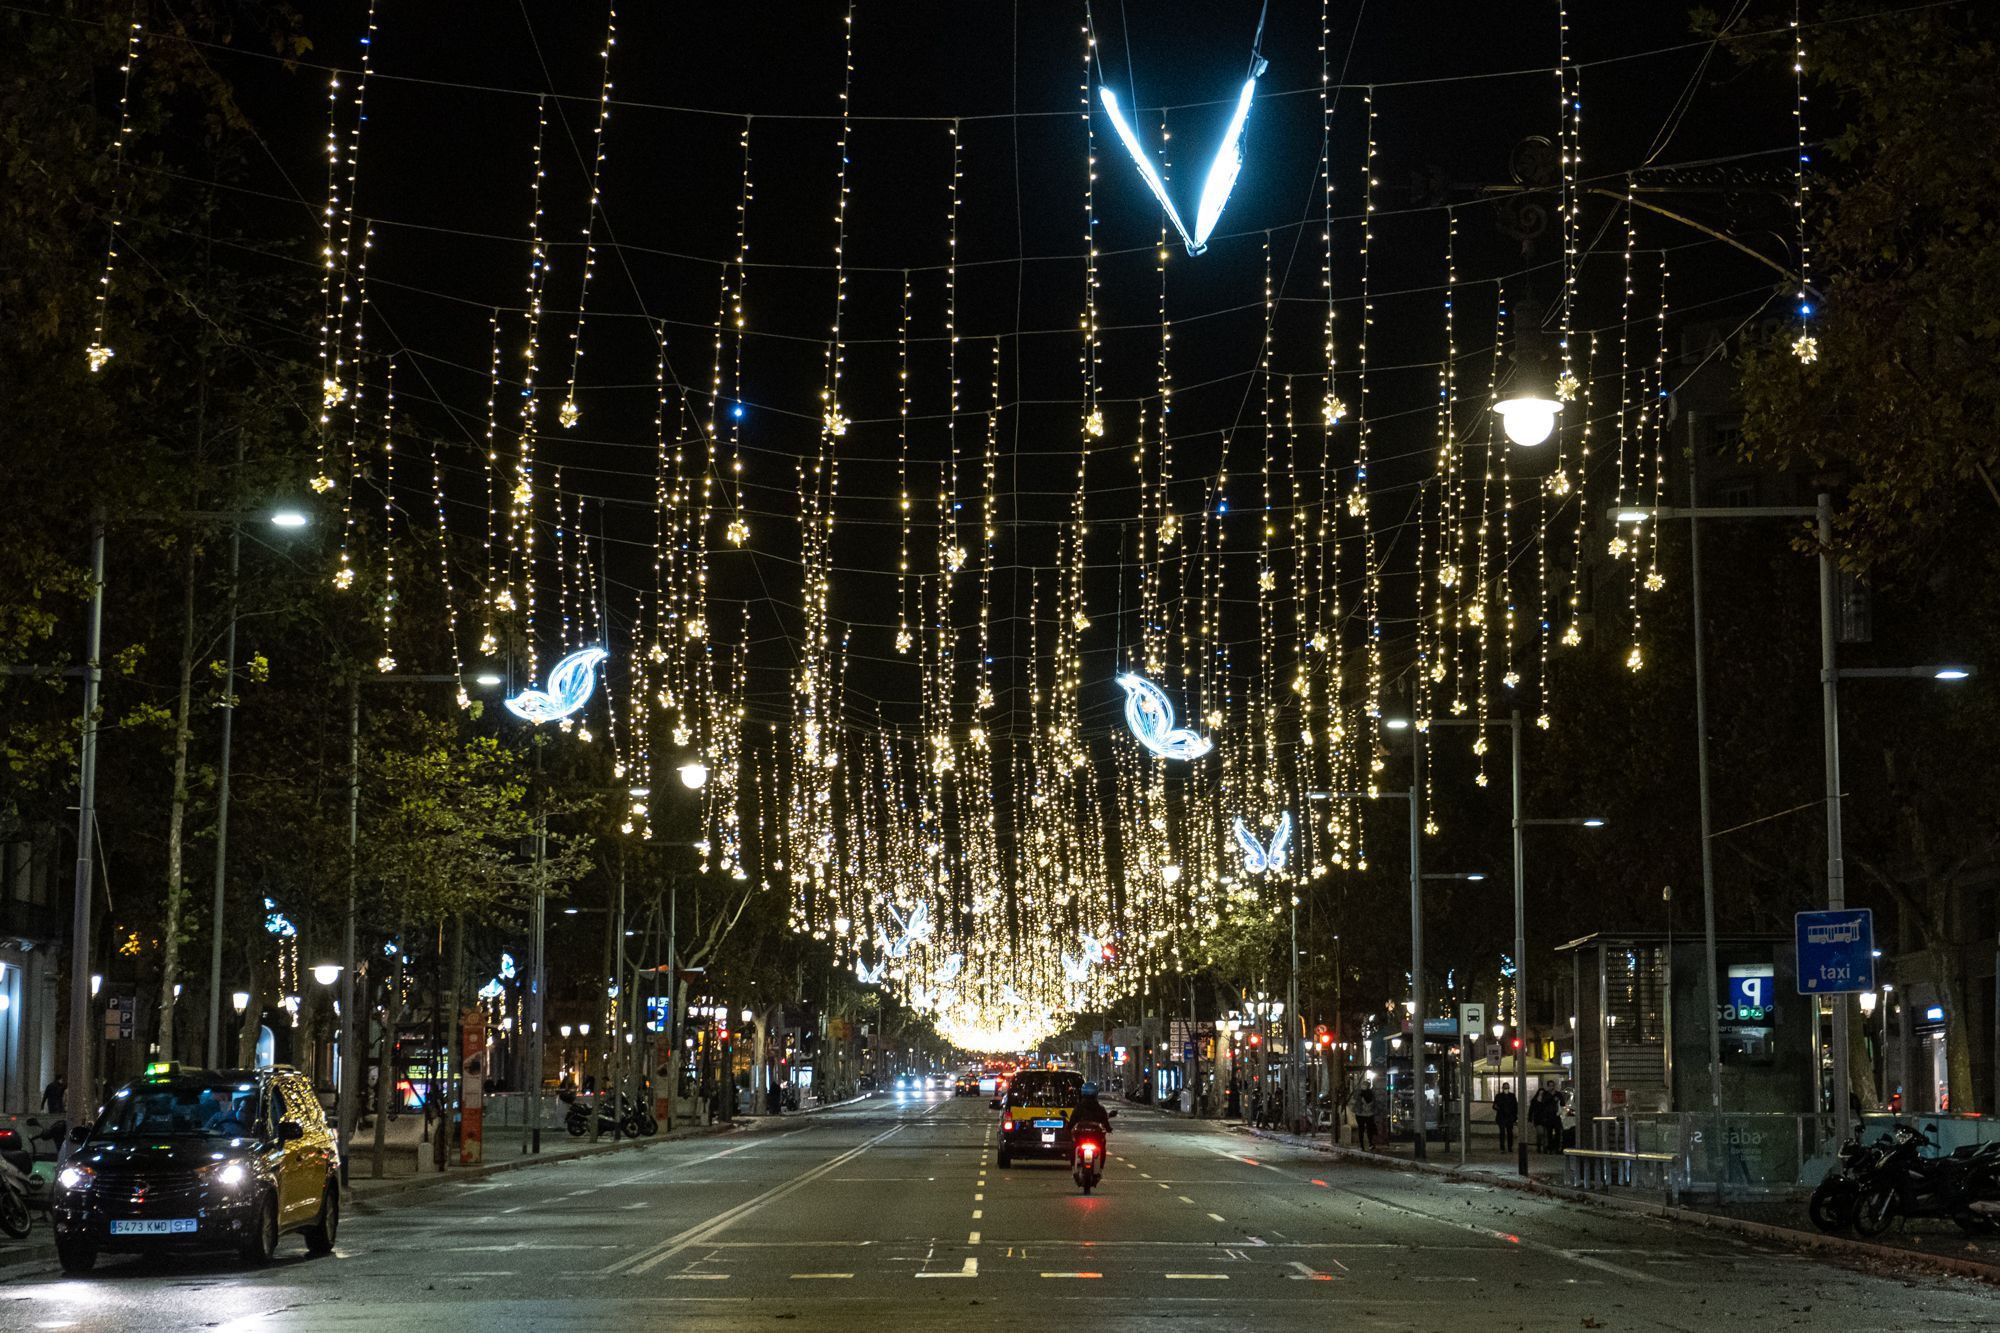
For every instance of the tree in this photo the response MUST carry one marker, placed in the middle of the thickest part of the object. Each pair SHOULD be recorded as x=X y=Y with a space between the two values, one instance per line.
x=1903 y=399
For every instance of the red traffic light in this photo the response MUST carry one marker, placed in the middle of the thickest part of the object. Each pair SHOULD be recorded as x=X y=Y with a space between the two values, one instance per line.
x=1325 y=1037
x=1515 y=1044
x=1256 y=1039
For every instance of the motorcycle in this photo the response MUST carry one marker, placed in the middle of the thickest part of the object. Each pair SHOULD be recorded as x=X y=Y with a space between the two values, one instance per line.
x=1836 y=1196
x=614 y=1115
x=1964 y=1186
x=15 y=1219
x=1087 y=1157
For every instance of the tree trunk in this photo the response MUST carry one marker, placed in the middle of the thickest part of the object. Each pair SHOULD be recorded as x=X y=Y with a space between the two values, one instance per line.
x=1860 y=1065
x=251 y=1018
x=170 y=955
x=1964 y=1097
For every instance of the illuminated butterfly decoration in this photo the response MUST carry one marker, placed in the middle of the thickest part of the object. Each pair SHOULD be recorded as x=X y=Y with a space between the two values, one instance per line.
x=1010 y=996
x=1076 y=969
x=569 y=685
x=1257 y=857
x=948 y=970
x=1222 y=172
x=277 y=922
x=1150 y=715
x=914 y=929
x=492 y=990
x=870 y=976
x=1093 y=949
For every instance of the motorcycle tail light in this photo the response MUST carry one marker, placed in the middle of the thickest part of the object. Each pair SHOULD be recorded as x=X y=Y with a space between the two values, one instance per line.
x=1090 y=1150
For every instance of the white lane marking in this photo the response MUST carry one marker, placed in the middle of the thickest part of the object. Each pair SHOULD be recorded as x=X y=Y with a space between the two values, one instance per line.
x=1512 y=1238
x=972 y=1239
x=1196 y=1277
x=1441 y=1277
x=971 y=1269
x=1215 y=1217
x=674 y=1244
x=1307 y=1273
x=978 y=1213
x=1184 y=1198
x=1072 y=1275
x=634 y=1207
x=979 y=1197
x=820 y=1277
x=1145 y=1175
x=694 y=1277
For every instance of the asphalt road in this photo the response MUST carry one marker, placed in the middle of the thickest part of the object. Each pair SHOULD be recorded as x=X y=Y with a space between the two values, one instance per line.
x=887 y=1216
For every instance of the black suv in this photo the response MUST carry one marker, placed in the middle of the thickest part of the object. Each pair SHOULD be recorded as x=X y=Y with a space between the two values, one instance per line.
x=200 y=1159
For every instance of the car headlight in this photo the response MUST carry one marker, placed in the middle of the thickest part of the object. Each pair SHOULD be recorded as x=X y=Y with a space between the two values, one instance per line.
x=229 y=1175
x=75 y=1177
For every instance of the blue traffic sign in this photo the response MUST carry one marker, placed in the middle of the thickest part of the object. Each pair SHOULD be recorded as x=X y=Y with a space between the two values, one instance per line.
x=1836 y=951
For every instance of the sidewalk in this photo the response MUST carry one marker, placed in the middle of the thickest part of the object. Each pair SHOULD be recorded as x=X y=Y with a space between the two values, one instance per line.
x=1934 y=1242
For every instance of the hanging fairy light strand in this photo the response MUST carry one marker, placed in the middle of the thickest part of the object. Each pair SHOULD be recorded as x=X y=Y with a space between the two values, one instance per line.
x=1805 y=346
x=569 y=413
x=98 y=354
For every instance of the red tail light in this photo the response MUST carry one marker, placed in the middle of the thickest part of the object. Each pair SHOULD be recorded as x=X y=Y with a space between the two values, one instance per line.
x=1090 y=1150
x=1006 y=1127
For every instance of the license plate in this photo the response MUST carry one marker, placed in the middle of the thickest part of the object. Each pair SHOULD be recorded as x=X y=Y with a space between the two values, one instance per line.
x=154 y=1226
x=1048 y=1124
x=1048 y=1136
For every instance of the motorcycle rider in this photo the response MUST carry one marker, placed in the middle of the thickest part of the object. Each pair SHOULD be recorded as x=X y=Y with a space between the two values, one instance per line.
x=1089 y=1111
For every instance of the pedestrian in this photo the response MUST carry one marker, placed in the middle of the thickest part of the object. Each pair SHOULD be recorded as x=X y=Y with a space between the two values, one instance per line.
x=1506 y=1114
x=1542 y=1113
x=55 y=1095
x=1362 y=1106
x=774 y=1099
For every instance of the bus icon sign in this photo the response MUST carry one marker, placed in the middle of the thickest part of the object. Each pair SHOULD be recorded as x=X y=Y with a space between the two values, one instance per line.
x=1836 y=951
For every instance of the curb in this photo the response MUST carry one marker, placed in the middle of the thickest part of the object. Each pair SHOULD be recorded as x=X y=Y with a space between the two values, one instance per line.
x=1798 y=1239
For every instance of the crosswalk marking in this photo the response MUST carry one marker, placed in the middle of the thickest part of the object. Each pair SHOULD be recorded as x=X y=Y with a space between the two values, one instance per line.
x=820 y=1277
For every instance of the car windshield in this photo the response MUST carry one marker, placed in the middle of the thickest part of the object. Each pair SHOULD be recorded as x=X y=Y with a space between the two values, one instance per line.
x=1041 y=1087
x=207 y=1109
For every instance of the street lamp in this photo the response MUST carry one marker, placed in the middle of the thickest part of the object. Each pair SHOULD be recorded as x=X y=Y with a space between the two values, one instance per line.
x=327 y=973
x=1527 y=415
x=240 y=1000
x=694 y=775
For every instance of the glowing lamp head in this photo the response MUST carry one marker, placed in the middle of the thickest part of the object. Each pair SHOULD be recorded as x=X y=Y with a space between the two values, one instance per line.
x=1528 y=418
x=288 y=518
x=694 y=775
x=326 y=973
x=240 y=999
x=1593 y=822
x=1952 y=673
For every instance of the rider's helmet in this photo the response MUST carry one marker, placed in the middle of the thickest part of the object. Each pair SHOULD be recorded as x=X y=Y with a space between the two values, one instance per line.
x=1089 y=1089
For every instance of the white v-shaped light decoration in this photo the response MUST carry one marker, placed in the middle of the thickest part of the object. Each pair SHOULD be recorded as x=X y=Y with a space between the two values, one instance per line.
x=1222 y=172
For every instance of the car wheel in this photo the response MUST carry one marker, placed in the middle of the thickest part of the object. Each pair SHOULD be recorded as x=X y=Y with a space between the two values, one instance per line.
x=15 y=1219
x=262 y=1243
x=75 y=1256
x=323 y=1232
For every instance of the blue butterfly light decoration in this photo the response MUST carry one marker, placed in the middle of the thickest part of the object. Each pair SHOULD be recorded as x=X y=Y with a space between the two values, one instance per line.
x=1222 y=172
x=1150 y=715
x=912 y=929
x=569 y=685
x=1257 y=856
x=870 y=976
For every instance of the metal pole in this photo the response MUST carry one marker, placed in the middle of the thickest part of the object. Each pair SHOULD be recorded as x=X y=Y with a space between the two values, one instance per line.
x=1836 y=868
x=1520 y=938
x=1294 y=1028
x=1712 y=1002
x=536 y=982
x=215 y=1060
x=352 y=1020
x=673 y=998
x=1420 y=1144
x=81 y=1102
x=616 y=1072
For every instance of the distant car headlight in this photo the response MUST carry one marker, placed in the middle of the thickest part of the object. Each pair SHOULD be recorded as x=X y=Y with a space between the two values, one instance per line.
x=75 y=1177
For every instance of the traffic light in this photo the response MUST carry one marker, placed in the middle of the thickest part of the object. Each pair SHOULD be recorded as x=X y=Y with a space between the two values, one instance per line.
x=1514 y=1045
x=1256 y=1039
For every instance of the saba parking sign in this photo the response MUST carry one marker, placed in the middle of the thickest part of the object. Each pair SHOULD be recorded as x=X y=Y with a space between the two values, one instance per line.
x=1836 y=951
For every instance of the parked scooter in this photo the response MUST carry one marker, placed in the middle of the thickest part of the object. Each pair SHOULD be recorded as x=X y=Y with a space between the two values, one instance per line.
x=15 y=1219
x=1901 y=1182
x=631 y=1117
x=1834 y=1199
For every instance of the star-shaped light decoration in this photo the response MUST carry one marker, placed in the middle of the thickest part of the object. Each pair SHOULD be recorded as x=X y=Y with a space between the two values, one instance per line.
x=96 y=355
x=1333 y=409
x=1805 y=347
x=1566 y=387
x=321 y=484
x=569 y=413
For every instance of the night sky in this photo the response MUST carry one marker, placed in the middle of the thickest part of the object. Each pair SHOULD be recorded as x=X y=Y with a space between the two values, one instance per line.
x=444 y=177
